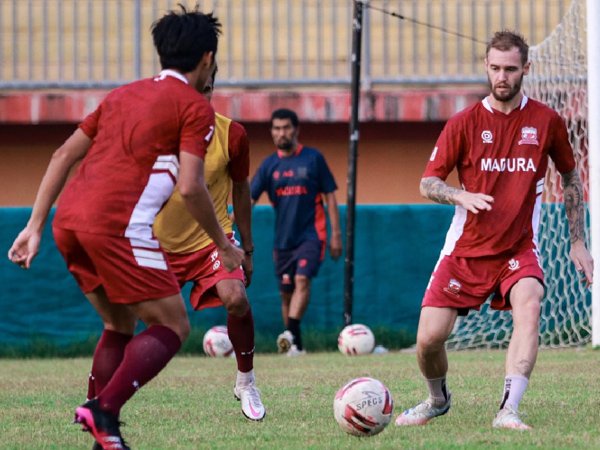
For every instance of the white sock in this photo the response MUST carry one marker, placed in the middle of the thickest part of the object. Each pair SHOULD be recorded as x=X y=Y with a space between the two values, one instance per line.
x=514 y=389
x=244 y=378
x=438 y=394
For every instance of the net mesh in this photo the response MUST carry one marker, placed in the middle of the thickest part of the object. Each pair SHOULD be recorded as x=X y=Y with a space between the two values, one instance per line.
x=558 y=78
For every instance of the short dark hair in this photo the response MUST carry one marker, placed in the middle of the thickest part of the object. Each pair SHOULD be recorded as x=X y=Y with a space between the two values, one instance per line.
x=505 y=40
x=182 y=37
x=284 y=113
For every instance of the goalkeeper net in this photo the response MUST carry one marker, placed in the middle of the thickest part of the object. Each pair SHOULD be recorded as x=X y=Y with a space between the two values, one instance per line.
x=558 y=78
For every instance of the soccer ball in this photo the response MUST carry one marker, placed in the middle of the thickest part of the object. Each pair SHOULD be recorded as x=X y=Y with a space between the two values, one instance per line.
x=356 y=339
x=363 y=407
x=216 y=342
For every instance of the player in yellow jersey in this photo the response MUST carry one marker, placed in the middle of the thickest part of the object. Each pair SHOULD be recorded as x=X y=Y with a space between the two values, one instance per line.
x=193 y=256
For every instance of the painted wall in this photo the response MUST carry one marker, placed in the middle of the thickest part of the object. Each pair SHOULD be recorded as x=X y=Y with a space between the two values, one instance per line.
x=391 y=157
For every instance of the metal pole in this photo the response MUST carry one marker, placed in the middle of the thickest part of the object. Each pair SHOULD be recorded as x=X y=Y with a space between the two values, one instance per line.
x=593 y=50
x=352 y=156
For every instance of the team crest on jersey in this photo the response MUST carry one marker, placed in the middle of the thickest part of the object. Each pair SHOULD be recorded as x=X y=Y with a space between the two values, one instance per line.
x=529 y=136
x=302 y=172
x=513 y=264
x=487 y=137
x=453 y=287
x=276 y=175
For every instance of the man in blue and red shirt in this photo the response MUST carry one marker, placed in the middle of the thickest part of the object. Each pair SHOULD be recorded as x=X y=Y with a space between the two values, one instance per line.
x=297 y=181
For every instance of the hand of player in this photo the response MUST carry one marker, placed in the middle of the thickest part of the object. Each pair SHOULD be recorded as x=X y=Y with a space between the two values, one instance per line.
x=25 y=248
x=248 y=268
x=474 y=202
x=335 y=245
x=583 y=261
x=231 y=257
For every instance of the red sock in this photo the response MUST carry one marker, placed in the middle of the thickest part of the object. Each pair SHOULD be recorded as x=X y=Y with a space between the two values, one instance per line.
x=107 y=357
x=145 y=356
x=241 y=335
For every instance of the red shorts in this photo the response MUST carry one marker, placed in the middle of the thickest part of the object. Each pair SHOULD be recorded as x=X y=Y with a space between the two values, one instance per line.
x=128 y=274
x=466 y=283
x=205 y=270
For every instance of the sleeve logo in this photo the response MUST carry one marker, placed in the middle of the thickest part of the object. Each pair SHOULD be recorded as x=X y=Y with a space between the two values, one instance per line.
x=433 y=153
x=210 y=133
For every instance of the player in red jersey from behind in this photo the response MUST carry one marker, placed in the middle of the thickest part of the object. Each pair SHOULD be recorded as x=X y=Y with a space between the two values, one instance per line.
x=500 y=148
x=142 y=139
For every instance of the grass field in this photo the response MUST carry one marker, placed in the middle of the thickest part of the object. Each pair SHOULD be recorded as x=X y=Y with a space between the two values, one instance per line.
x=191 y=405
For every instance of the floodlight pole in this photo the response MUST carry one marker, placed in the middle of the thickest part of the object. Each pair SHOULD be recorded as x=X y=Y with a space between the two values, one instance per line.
x=357 y=26
x=593 y=52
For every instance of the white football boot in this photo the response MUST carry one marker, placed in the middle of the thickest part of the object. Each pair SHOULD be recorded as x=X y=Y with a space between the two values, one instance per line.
x=507 y=417
x=285 y=341
x=249 y=397
x=423 y=413
x=293 y=351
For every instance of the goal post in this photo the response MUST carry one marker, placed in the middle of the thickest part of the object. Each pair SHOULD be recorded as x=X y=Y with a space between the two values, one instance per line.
x=559 y=77
x=593 y=49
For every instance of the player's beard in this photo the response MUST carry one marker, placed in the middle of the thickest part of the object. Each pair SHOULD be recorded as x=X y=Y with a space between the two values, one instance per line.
x=285 y=145
x=510 y=94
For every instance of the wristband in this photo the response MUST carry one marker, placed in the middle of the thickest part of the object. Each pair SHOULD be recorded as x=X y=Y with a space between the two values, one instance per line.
x=249 y=252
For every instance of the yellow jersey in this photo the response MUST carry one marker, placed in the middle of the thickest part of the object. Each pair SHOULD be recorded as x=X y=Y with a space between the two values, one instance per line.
x=174 y=226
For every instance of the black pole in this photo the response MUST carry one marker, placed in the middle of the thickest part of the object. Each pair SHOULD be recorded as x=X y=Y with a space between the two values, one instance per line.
x=352 y=156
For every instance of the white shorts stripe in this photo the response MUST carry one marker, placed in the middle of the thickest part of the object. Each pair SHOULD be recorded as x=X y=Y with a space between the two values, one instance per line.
x=144 y=243
x=149 y=254
x=152 y=263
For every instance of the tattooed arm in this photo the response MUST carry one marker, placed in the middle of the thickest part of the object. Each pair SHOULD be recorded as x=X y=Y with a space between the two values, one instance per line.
x=436 y=189
x=573 y=197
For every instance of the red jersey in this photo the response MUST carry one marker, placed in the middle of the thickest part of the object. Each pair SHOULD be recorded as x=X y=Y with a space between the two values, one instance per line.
x=505 y=156
x=132 y=166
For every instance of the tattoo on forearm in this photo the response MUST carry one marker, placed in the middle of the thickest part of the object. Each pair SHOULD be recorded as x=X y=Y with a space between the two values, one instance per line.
x=435 y=189
x=573 y=193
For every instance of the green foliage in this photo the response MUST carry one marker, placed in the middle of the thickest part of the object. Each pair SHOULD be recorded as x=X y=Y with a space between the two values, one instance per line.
x=314 y=340
x=191 y=406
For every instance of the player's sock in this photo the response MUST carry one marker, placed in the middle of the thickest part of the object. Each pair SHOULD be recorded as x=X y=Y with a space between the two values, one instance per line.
x=145 y=356
x=514 y=389
x=107 y=357
x=293 y=326
x=438 y=393
x=241 y=335
x=244 y=378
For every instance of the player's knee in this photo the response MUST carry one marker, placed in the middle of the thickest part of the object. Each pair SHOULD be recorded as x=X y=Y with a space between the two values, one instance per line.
x=302 y=282
x=529 y=304
x=430 y=342
x=235 y=299
x=237 y=303
x=123 y=326
x=180 y=325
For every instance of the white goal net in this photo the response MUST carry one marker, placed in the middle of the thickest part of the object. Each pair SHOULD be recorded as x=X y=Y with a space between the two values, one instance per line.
x=558 y=78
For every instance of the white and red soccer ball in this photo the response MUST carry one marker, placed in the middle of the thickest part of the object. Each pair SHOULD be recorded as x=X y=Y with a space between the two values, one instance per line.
x=216 y=342
x=356 y=339
x=363 y=407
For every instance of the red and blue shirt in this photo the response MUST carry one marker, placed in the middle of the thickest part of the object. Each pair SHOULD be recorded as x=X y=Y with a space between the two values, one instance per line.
x=295 y=185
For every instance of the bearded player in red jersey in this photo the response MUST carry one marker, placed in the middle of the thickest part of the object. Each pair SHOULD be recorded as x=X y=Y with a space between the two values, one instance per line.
x=500 y=148
x=142 y=139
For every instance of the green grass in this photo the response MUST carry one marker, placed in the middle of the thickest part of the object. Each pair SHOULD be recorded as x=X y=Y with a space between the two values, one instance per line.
x=190 y=405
